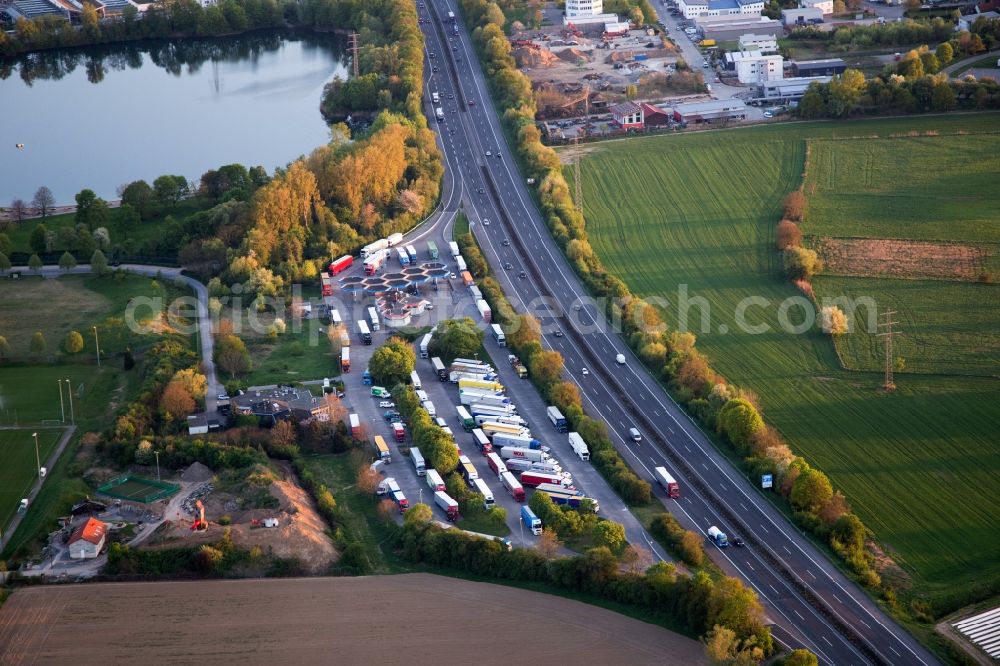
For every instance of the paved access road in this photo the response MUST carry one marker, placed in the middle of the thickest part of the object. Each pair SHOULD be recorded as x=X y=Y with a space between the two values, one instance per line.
x=779 y=562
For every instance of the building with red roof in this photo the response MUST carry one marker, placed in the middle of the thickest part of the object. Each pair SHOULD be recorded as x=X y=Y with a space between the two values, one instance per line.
x=87 y=540
x=628 y=115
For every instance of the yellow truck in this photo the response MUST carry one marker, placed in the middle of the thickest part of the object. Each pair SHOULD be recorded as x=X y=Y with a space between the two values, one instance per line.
x=705 y=43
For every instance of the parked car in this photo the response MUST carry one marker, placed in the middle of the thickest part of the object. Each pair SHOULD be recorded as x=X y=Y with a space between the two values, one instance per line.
x=386 y=404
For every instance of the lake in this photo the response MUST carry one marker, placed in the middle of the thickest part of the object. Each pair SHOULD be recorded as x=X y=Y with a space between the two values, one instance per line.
x=104 y=116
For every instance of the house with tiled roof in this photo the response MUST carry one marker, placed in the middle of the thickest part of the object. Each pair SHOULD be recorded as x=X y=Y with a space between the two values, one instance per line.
x=628 y=115
x=88 y=539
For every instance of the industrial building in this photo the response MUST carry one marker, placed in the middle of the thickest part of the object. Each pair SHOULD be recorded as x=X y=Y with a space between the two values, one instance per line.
x=825 y=6
x=712 y=110
x=281 y=404
x=787 y=90
x=825 y=67
x=731 y=28
x=801 y=16
x=87 y=540
x=583 y=12
x=697 y=8
x=754 y=67
x=762 y=43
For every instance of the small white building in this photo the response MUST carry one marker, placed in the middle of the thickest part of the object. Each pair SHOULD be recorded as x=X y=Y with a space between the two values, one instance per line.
x=801 y=15
x=788 y=90
x=582 y=12
x=696 y=8
x=966 y=22
x=825 y=6
x=87 y=540
x=755 y=67
x=762 y=43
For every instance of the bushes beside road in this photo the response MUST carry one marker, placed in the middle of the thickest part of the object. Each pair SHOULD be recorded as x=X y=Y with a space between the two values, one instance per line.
x=670 y=355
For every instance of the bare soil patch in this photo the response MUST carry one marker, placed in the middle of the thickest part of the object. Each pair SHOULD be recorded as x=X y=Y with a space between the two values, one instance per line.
x=301 y=532
x=871 y=257
x=412 y=619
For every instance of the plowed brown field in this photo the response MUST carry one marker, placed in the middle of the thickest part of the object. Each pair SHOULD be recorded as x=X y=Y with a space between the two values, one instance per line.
x=407 y=619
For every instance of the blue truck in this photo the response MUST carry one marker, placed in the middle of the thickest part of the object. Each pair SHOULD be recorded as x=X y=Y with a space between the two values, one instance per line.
x=557 y=418
x=531 y=521
x=574 y=501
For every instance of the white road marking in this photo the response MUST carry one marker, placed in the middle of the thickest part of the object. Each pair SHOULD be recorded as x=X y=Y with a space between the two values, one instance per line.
x=741 y=505
x=831 y=644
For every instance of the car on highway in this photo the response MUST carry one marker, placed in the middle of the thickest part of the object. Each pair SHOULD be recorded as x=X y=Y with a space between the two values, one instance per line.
x=386 y=404
x=620 y=359
x=451 y=96
x=486 y=221
x=472 y=102
x=585 y=372
x=489 y=154
x=508 y=266
x=506 y=242
x=577 y=306
x=522 y=275
x=738 y=542
x=634 y=434
x=434 y=68
x=558 y=334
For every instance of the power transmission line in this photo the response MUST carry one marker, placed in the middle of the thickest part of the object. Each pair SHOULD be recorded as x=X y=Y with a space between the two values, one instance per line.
x=887 y=335
x=352 y=46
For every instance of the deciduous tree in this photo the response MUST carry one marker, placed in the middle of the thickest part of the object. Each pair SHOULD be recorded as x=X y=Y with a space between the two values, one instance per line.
x=38 y=345
x=37 y=240
x=392 y=363
x=176 y=401
x=833 y=321
x=67 y=261
x=811 y=491
x=74 y=342
x=43 y=200
x=232 y=355
x=19 y=209
x=788 y=235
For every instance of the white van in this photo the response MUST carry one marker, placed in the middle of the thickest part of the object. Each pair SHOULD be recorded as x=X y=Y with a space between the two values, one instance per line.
x=636 y=437
x=620 y=359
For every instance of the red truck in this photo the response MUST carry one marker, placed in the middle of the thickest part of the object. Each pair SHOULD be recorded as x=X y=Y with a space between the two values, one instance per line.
x=534 y=479
x=447 y=504
x=341 y=265
x=512 y=485
x=399 y=431
x=496 y=463
x=355 y=426
x=326 y=283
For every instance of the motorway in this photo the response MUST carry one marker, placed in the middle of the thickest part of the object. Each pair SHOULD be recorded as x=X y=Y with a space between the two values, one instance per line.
x=809 y=601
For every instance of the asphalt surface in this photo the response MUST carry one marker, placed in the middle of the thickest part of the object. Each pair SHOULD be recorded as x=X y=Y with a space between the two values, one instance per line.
x=779 y=562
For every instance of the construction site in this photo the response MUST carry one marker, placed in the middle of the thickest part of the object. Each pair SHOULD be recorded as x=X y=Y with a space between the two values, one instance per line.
x=578 y=71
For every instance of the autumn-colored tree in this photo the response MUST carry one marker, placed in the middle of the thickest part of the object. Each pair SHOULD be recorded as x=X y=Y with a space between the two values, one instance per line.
x=418 y=514
x=37 y=346
x=546 y=366
x=723 y=648
x=281 y=216
x=176 y=401
x=801 y=657
x=368 y=480
x=795 y=205
x=232 y=355
x=195 y=382
x=387 y=510
x=548 y=544
x=788 y=235
x=833 y=320
x=736 y=606
x=801 y=263
x=74 y=342
x=566 y=394
x=636 y=559
x=283 y=434
x=523 y=330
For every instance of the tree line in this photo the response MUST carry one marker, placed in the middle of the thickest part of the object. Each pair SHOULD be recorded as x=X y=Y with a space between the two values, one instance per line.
x=730 y=411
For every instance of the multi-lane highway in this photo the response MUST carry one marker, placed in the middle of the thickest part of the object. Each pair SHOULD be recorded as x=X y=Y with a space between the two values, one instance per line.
x=809 y=601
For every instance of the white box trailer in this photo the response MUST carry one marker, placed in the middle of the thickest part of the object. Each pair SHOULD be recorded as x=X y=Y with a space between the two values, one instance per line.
x=415 y=380
x=453 y=246
x=479 y=486
x=434 y=480
x=373 y=318
x=579 y=446
x=518 y=453
x=424 y=344
x=484 y=311
x=460 y=260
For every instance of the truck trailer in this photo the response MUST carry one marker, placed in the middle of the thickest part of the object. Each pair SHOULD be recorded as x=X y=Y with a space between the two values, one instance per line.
x=513 y=486
x=453 y=247
x=579 y=446
x=466 y=418
x=345 y=359
x=399 y=431
x=468 y=469
x=531 y=521
x=434 y=480
x=481 y=441
x=447 y=504
x=502 y=439
x=439 y=369
x=382 y=450
x=373 y=247
x=479 y=486
x=479 y=409
x=373 y=318
x=574 y=501
x=534 y=479
x=557 y=418
x=432 y=250
x=718 y=536
x=515 y=452
x=488 y=385
x=425 y=343
x=668 y=482
x=418 y=461
x=355 y=426
x=549 y=466
x=340 y=265
x=498 y=335
x=496 y=464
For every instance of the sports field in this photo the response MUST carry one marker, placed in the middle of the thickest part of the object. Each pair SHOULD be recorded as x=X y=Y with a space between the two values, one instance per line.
x=18 y=467
x=697 y=212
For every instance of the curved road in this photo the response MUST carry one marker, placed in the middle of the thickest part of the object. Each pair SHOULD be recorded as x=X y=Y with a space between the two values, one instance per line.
x=805 y=595
x=171 y=273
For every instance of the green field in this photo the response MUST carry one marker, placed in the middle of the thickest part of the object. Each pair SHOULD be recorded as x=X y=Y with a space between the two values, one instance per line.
x=697 y=212
x=18 y=471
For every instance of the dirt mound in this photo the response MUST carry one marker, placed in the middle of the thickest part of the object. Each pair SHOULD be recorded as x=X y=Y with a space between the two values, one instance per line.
x=901 y=258
x=526 y=57
x=574 y=56
x=197 y=473
x=300 y=534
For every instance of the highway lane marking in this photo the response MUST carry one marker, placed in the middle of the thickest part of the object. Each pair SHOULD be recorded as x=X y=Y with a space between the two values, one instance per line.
x=744 y=508
x=811 y=574
x=751 y=566
x=773 y=588
x=835 y=597
x=786 y=549
x=723 y=486
x=829 y=643
x=800 y=616
x=869 y=626
x=764 y=528
x=705 y=466
x=657 y=412
x=671 y=430
x=688 y=448
x=894 y=651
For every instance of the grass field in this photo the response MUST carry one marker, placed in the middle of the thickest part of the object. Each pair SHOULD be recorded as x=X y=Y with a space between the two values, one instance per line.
x=699 y=210
x=18 y=471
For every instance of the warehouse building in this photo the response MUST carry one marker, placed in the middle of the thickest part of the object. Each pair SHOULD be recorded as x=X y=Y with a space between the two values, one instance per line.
x=825 y=67
x=731 y=28
x=788 y=90
x=754 y=67
x=801 y=16
x=87 y=540
x=762 y=43
x=710 y=111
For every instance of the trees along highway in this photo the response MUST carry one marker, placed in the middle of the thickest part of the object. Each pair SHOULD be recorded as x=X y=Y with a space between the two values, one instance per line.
x=811 y=603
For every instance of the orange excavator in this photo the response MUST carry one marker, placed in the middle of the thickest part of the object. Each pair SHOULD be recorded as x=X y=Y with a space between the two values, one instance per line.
x=200 y=524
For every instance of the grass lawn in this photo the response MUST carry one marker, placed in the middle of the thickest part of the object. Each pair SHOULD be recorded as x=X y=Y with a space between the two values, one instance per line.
x=697 y=212
x=150 y=230
x=987 y=62
x=18 y=472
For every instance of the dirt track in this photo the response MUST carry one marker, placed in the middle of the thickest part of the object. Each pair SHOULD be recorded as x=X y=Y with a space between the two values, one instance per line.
x=412 y=619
